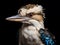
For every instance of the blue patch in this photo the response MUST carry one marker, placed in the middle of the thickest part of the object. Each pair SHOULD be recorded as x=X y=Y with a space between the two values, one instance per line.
x=46 y=38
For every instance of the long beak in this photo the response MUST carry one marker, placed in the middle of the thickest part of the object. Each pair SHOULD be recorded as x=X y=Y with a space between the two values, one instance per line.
x=18 y=18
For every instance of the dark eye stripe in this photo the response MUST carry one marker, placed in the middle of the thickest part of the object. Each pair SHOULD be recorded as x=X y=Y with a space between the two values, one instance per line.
x=29 y=15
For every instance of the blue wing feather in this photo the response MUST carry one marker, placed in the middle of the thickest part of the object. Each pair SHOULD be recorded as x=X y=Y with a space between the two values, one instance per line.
x=46 y=37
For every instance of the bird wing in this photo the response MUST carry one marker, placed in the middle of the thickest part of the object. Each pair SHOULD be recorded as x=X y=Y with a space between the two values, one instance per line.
x=46 y=37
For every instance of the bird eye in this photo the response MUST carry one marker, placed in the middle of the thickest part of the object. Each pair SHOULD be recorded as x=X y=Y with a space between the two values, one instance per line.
x=29 y=15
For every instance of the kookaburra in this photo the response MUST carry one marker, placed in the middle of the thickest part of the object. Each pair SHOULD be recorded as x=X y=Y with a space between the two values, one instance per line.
x=32 y=17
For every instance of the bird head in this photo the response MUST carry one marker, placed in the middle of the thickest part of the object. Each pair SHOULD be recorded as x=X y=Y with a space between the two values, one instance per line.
x=30 y=11
x=31 y=14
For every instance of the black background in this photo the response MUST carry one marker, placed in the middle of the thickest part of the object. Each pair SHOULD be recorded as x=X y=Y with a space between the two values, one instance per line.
x=8 y=29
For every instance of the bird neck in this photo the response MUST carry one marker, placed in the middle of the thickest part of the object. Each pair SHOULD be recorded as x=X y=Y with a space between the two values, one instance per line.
x=37 y=24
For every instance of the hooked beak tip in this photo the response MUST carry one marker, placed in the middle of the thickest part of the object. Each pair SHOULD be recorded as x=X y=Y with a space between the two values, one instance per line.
x=6 y=18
